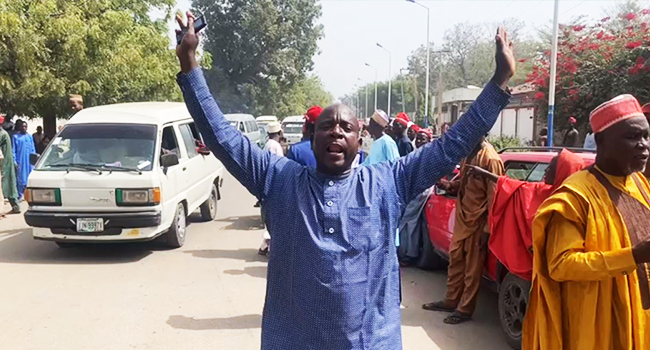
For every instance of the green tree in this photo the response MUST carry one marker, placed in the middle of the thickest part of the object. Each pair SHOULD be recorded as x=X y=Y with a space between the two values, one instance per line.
x=109 y=51
x=259 y=45
x=305 y=93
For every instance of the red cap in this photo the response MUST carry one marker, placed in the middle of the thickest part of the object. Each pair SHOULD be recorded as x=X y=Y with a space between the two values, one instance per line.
x=572 y=120
x=426 y=131
x=2 y=118
x=403 y=119
x=619 y=108
x=312 y=114
x=416 y=128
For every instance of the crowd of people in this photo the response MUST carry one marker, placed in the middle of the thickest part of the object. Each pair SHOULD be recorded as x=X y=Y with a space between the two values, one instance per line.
x=16 y=148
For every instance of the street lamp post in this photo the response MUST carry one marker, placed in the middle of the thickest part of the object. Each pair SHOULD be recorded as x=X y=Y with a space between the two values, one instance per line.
x=389 y=75
x=403 y=99
x=365 y=87
x=551 y=89
x=426 y=94
x=375 y=83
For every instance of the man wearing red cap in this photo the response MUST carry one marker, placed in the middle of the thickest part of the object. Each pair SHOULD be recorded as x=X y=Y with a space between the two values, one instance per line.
x=571 y=136
x=301 y=152
x=423 y=137
x=404 y=145
x=590 y=245
x=646 y=112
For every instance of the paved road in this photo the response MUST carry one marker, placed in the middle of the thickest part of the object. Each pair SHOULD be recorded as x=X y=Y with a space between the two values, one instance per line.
x=207 y=295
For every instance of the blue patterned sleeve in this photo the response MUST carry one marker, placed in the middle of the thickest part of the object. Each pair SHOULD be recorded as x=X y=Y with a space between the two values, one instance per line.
x=422 y=169
x=244 y=160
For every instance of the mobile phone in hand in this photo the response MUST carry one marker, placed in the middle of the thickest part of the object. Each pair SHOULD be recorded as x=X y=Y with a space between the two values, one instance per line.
x=199 y=24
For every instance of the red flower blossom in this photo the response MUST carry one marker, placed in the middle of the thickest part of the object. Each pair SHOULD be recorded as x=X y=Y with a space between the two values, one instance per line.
x=630 y=16
x=645 y=12
x=578 y=28
x=600 y=35
x=640 y=60
x=540 y=95
x=633 y=45
x=522 y=60
x=605 y=19
x=634 y=70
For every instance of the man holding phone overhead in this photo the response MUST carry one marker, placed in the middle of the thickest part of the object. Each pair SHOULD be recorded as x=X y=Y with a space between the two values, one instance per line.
x=333 y=277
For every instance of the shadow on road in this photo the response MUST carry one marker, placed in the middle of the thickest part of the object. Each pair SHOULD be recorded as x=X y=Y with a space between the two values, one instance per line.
x=248 y=255
x=483 y=332
x=237 y=322
x=18 y=247
x=253 y=271
x=247 y=223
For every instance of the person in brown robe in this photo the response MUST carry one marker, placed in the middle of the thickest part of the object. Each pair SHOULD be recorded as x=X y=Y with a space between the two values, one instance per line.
x=468 y=249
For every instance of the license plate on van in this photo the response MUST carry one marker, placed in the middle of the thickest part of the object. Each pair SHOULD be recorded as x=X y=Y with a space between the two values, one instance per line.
x=86 y=225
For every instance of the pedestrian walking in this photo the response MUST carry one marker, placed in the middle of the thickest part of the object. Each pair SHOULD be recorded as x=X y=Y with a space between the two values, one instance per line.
x=571 y=136
x=23 y=147
x=468 y=249
x=591 y=245
x=38 y=137
x=590 y=140
x=400 y=125
x=76 y=103
x=542 y=140
x=272 y=146
x=332 y=280
x=384 y=147
x=8 y=171
x=302 y=152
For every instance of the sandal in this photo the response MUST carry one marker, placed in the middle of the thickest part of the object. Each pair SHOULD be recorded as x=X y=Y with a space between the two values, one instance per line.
x=438 y=306
x=457 y=317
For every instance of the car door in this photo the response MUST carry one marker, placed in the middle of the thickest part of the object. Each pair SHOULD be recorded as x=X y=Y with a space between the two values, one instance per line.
x=441 y=217
x=198 y=170
x=171 y=179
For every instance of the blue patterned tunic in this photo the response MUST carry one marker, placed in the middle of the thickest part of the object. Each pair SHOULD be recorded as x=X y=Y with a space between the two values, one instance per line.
x=332 y=278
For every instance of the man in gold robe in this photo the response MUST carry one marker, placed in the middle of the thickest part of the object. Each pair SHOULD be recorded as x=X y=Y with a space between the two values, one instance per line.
x=590 y=245
x=469 y=241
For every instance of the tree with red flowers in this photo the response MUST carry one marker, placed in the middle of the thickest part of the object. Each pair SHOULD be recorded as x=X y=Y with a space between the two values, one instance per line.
x=596 y=62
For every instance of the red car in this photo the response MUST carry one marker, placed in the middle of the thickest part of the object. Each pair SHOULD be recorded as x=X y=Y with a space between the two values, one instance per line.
x=526 y=164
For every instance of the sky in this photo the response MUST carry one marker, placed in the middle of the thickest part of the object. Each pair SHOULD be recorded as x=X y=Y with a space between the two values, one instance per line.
x=354 y=27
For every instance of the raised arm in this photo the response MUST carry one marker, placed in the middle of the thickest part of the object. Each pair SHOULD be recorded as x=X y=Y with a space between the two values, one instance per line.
x=422 y=169
x=244 y=160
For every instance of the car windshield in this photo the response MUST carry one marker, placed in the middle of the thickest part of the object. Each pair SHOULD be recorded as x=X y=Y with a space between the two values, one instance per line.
x=111 y=146
x=293 y=128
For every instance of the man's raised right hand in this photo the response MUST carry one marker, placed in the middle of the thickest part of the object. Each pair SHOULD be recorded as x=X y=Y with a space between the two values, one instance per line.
x=505 y=58
x=186 y=50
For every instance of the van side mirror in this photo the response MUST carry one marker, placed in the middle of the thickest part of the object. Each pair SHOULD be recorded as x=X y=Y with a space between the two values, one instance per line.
x=169 y=160
x=33 y=158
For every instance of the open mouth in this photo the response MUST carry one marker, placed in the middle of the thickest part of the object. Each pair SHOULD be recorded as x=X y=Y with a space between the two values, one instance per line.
x=335 y=148
x=642 y=157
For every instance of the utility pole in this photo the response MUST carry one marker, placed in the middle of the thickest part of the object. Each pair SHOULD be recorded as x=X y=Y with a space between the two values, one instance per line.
x=390 y=55
x=440 y=85
x=551 y=90
x=426 y=94
x=375 y=83
x=403 y=99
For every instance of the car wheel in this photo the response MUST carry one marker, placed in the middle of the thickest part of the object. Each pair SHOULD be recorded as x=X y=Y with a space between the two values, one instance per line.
x=429 y=259
x=513 y=300
x=66 y=245
x=176 y=234
x=209 y=207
